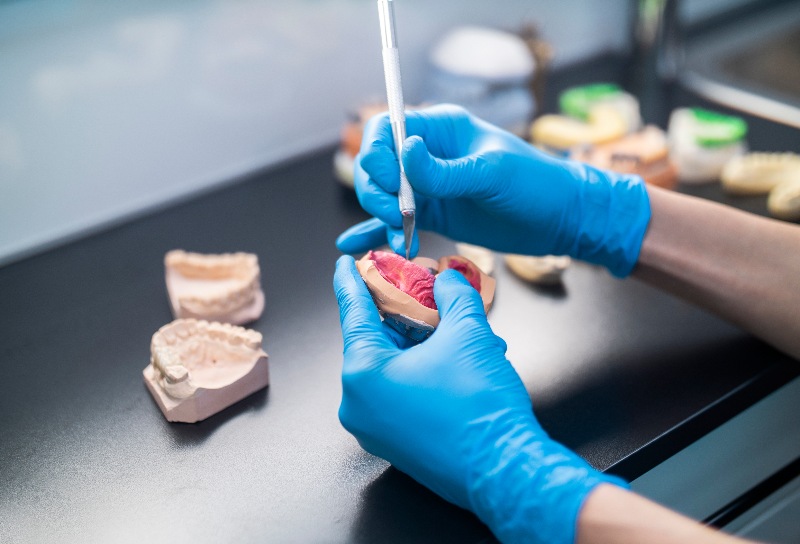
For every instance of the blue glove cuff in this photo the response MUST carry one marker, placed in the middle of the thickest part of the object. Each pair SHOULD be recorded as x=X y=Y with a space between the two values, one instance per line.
x=613 y=214
x=533 y=490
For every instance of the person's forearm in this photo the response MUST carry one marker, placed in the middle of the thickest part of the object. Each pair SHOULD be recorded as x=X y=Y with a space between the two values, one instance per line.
x=612 y=515
x=742 y=267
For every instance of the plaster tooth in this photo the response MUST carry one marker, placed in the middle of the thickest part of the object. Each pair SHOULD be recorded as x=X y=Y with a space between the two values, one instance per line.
x=176 y=374
x=167 y=363
x=253 y=340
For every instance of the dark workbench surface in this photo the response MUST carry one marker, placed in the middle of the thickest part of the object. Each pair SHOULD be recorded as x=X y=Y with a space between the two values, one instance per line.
x=86 y=456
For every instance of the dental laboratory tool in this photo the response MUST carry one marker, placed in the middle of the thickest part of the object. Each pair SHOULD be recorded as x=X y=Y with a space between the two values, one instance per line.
x=397 y=115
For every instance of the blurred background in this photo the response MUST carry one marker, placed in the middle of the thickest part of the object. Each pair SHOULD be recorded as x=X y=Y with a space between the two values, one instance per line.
x=112 y=109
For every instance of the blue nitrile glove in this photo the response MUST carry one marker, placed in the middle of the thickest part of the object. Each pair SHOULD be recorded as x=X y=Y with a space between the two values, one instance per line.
x=453 y=414
x=476 y=183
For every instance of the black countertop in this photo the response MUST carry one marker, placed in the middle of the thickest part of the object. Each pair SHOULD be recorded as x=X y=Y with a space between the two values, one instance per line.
x=86 y=455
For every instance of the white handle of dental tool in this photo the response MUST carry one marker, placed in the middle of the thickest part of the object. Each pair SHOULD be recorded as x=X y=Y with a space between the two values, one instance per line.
x=394 y=97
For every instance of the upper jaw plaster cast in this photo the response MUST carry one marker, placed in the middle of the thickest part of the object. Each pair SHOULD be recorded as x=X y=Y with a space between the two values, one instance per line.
x=224 y=287
x=198 y=368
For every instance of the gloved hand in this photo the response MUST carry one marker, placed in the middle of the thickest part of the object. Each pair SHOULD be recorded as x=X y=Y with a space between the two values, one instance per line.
x=453 y=414
x=476 y=183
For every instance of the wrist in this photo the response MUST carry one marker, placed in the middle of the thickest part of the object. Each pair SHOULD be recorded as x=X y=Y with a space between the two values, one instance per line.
x=533 y=488
x=613 y=212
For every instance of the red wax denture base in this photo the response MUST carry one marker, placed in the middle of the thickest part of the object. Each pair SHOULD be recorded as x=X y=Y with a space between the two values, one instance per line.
x=409 y=277
x=417 y=281
x=467 y=269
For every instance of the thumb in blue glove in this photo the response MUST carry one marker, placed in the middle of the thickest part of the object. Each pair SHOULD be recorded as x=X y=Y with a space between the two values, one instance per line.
x=453 y=414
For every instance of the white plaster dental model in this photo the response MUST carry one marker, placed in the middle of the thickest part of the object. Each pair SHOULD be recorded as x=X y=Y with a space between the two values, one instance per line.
x=224 y=287
x=559 y=133
x=577 y=102
x=198 y=368
x=759 y=173
x=702 y=141
x=784 y=200
x=546 y=270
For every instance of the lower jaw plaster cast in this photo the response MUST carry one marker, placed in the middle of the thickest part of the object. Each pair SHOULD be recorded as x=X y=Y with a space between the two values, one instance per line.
x=559 y=133
x=759 y=173
x=225 y=287
x=199 y=368
x=544 y=270
x=403 y=290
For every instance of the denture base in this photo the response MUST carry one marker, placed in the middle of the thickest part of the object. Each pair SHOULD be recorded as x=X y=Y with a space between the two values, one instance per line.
x=392 y=301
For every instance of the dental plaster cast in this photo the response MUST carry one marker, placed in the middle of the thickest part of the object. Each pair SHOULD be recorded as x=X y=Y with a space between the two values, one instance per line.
x=784 y=200
x=644 y=153
x=559 y=133
x=482 y=257
x=759 y=173
x=403 y=290
x=199 y=368
x=350 y=142
x=546 y=270
x=224 y=287
x=578 y=102
x=701 y=142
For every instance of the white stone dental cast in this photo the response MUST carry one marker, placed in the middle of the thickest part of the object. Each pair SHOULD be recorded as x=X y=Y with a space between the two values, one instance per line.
x=198 y=368
x=759 y=173
x=784 y=200
x=545 y=270
x=225 y=287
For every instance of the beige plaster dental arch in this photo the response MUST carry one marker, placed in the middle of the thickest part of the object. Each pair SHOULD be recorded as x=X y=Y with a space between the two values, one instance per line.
x=224 y=287
x=198 y=368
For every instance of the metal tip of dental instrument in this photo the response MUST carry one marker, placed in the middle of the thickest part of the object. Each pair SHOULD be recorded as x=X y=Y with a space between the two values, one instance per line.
x=408 y=231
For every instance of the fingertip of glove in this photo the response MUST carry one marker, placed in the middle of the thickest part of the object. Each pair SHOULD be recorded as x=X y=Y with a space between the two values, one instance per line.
x=342 y=244
x=413 y=146
x=375 y=154
x=345 y=267
x=418 y=162
x=344 y=260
